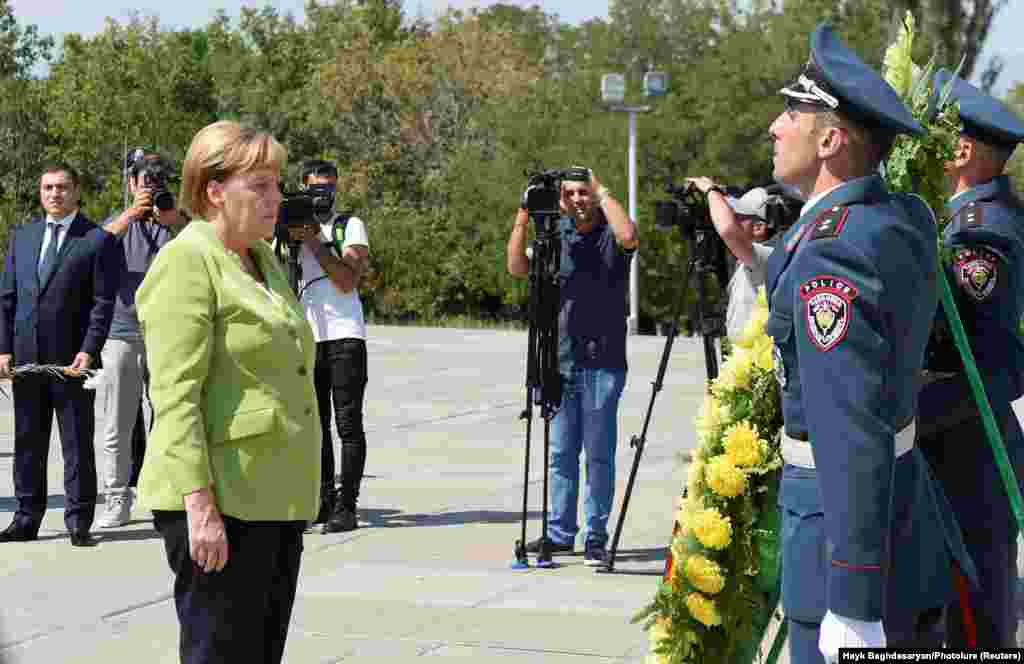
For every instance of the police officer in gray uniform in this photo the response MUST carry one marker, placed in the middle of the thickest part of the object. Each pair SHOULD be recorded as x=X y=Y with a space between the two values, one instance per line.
x=985 y=268
x=852 y=291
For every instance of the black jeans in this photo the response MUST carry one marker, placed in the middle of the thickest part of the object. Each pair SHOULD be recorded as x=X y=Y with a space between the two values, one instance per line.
x=341 y=376
x=240 y=614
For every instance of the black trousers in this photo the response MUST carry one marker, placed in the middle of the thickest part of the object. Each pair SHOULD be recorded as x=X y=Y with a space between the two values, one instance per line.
x=341 y=377
x=36 y=398
x=962 y=461
x=240 y=614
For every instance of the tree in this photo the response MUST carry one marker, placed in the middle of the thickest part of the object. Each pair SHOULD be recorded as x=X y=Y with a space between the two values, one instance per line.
x=131 y=85
x=23 y=118
x=959 y=28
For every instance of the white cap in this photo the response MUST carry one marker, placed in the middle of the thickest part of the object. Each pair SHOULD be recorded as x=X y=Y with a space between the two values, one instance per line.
x=751 y=204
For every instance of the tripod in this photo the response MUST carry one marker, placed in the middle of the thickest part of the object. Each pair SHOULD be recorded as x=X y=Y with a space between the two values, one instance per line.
x=706 y=256
x=543 y=381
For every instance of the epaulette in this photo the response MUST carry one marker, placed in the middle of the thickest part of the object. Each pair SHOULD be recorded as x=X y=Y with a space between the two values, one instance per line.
x=830 y=223
x=971 y=215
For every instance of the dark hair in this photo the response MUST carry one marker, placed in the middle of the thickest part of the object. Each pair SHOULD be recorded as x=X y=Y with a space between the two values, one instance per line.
x=61 y=166
x=318 y=168
x=141 y=157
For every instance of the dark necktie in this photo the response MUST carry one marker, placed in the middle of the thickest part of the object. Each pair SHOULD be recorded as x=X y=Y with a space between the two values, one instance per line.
x=50 y=259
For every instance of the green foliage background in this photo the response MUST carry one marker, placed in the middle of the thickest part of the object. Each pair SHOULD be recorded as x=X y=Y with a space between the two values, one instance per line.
x=432 y=123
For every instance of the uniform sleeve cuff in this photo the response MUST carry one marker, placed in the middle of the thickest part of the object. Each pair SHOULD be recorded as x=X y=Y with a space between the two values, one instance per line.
x=855 y=592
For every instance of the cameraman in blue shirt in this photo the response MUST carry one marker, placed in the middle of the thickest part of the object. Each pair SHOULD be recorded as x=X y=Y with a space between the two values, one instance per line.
x=598 y=239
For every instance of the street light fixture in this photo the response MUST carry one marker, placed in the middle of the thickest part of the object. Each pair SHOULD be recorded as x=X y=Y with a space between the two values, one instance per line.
x=613 y=93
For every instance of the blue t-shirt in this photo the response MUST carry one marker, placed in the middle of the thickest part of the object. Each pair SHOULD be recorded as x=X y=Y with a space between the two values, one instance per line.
x=139 y=246
x=593 y=284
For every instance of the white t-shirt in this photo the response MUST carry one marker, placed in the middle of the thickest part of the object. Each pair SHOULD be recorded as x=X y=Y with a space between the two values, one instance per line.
x=743 y=289
x=331 y=313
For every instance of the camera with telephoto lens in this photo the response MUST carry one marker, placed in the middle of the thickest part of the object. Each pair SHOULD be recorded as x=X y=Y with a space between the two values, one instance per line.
x=151 y=174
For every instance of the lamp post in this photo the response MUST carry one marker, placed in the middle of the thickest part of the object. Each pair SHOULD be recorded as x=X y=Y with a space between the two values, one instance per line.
x=613 y=93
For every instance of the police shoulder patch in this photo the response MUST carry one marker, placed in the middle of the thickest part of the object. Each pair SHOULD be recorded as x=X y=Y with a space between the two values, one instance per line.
x=972 y=215
x=828 y=308
x=977 y=271
x=830 y=223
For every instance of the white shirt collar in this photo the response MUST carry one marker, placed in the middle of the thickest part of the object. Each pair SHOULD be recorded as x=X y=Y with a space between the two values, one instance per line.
x=65 y=222
x=811 y=202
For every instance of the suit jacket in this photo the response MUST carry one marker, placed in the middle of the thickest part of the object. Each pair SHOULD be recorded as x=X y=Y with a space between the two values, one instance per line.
x=50 y=323
x=231 y=367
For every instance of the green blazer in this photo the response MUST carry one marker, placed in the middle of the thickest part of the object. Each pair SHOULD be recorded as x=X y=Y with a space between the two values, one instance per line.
x=231 y=366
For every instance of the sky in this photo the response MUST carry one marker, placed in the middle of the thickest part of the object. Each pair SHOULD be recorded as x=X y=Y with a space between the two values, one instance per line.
x=56 y=17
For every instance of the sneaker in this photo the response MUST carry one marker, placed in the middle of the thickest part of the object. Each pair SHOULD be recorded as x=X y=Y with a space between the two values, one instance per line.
x=117 y=513
x=594 y=555
x=534 y=547
x=342 y=521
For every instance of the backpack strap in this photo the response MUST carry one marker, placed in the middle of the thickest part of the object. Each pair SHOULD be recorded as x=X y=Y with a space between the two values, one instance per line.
x=338 y=231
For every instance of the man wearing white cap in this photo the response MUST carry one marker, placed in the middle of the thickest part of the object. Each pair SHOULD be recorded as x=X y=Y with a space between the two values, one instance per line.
x=742 y=225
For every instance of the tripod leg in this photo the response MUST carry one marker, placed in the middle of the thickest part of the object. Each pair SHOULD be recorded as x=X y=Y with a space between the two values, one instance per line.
x=544 y=550
x=521 y=561
x=609 y=566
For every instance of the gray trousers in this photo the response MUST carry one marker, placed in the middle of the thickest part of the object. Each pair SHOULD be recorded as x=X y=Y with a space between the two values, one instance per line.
x=124 y=371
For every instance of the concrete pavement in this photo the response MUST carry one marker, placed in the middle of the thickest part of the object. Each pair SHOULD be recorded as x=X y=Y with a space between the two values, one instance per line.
x=427 y=573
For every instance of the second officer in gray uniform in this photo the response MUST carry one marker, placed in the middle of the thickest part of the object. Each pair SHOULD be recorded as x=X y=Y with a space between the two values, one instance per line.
x=985 y=266
x=852 y=291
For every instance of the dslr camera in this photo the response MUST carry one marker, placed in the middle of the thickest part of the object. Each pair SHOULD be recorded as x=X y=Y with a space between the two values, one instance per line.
x=152 y=173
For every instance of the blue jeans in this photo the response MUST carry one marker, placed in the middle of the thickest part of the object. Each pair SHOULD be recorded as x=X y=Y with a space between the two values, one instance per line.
x=587 y=421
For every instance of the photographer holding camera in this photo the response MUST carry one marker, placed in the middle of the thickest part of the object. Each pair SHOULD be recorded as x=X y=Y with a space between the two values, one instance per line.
x=597 y=240
x=333 y=256
x=743 y=225
x=141 y=231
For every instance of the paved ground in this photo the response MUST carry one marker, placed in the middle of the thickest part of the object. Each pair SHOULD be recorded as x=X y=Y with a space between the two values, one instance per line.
x=427 y=574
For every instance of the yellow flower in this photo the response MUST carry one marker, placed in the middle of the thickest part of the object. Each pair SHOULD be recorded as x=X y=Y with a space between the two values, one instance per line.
x=742 y=369
x=754 y=329
x=765 y=354
x=704 y=574
x=724 y=478
x=708 y=417
x=695 y=476
x=743 y=447
x=703 y=609
x=687 y=508
x=726 y=381
x=711 y=528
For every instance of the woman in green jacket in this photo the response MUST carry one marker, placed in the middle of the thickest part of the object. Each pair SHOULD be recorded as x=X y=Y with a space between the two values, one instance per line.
x=232 y=472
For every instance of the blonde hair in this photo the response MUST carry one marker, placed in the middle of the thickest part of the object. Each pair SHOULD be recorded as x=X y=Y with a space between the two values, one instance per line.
x=221 y=150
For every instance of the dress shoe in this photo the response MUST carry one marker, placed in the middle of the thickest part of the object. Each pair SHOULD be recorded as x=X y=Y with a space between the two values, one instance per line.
x=16 y=533
x=83 y=539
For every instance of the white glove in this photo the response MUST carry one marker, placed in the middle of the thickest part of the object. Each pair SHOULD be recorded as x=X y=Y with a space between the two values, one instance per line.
x=839 y=632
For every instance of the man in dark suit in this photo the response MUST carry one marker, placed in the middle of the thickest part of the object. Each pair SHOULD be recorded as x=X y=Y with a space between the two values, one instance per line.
x=56 y=302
